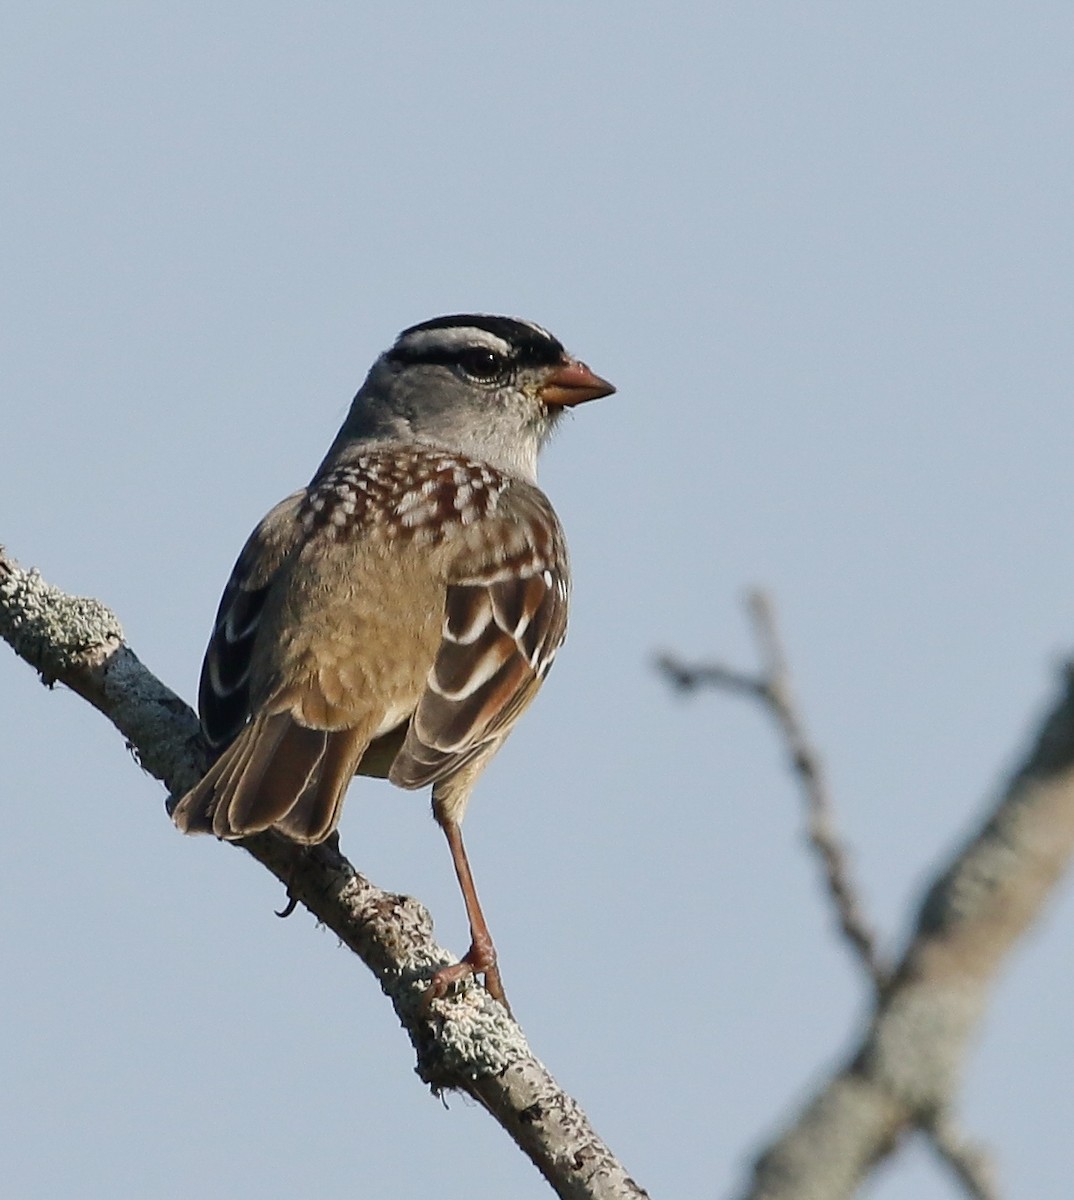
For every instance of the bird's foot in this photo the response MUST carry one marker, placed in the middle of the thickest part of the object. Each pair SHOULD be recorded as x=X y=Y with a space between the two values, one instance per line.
x=289 y=883
x=480 y=959
x=326 y=853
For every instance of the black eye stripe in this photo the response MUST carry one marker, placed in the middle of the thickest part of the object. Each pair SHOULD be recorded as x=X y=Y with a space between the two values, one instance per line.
x=476 y=362
x=453 y=356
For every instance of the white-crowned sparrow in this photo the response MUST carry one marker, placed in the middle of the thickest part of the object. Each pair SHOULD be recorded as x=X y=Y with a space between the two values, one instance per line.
x=396 y=617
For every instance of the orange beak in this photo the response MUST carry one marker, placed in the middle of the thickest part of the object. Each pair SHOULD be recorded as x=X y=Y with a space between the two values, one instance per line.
x=573 y=383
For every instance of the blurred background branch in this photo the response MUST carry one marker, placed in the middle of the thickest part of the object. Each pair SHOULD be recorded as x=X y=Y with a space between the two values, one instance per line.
x=905 y=1072
x=771 y=685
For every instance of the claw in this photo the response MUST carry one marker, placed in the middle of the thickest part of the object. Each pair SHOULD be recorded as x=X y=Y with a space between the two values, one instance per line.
x=292 y=898
x=480 y=959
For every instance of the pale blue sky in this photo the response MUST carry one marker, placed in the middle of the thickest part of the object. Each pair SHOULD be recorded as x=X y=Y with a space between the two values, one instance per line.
x=825 y=253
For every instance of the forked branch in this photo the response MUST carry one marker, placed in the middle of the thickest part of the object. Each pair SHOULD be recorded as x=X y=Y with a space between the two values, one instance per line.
x=771 y=685
x=905 y=1072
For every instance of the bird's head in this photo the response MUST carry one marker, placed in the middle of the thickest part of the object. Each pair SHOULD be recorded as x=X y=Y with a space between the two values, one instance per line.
x=485 y=386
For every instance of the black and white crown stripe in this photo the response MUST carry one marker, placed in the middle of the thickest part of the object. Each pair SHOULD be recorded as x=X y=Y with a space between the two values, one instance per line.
x=444 y=338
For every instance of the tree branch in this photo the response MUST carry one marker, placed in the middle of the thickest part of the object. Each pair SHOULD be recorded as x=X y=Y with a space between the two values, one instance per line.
x=467 y=1042
x=970 y=1163
x=907 y=1068
x=772 y=687
x=905 y=1072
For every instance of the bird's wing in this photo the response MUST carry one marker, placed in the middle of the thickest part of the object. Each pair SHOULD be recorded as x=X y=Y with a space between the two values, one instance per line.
x=505 y=616
x=224 y=691
x=271 y=769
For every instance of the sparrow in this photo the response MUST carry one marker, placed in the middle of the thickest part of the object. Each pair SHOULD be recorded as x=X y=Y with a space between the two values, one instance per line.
x=397 y=616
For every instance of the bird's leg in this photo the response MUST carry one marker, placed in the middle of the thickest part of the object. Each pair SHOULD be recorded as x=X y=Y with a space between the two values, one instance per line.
x=480 y=959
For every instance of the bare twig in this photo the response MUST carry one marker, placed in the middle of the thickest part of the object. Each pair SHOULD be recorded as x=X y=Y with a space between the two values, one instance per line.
x=690 y=678
x=773 y=688
x=971 y=1164
x=468 y=1042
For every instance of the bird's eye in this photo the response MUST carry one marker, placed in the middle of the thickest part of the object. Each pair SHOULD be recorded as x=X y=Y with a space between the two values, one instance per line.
x=480 y=363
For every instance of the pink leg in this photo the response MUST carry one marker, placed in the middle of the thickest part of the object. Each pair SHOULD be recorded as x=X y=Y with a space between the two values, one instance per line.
x=480 y=959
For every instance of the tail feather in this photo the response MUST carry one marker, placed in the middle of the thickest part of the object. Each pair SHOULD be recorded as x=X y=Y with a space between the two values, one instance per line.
x=196 y=811
x=315 y=813
x=276 y=773
x=237 y=757
x=283 y=756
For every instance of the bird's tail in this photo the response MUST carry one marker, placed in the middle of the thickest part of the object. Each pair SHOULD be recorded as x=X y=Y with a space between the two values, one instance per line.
x=277 y=774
